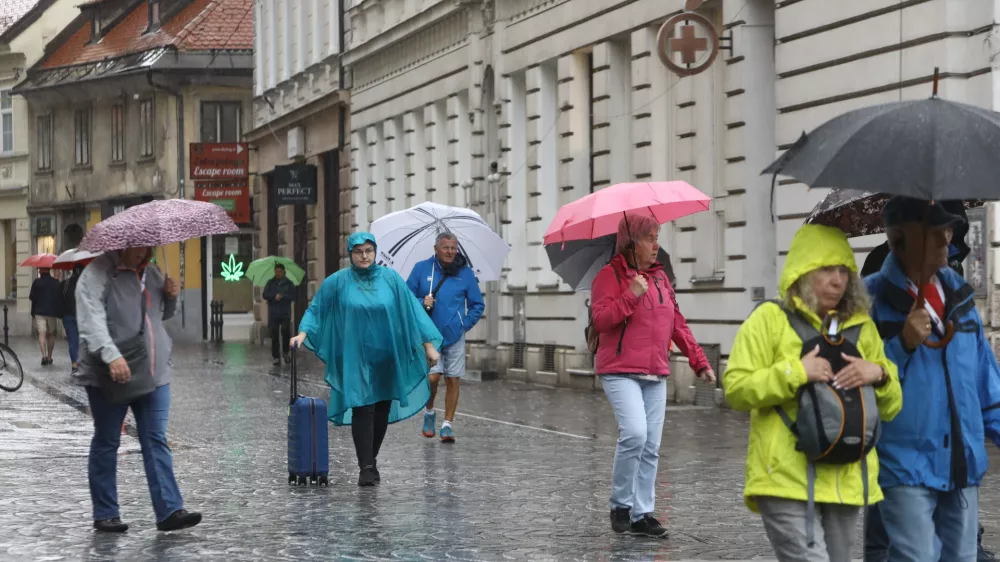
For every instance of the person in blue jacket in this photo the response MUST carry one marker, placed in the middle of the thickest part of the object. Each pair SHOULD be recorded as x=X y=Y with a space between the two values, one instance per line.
x=449 y=291
x=932 y=456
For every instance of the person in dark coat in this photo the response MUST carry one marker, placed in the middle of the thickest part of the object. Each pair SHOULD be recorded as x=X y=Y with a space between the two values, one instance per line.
x=46 y=305
x=279 y=293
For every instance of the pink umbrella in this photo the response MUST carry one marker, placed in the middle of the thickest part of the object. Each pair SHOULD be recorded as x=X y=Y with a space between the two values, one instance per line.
x=157 y=223
x=598 y=214
x=40 y=261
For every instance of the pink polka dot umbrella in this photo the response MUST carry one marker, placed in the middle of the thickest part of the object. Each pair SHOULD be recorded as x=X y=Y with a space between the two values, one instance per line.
x=157 y=223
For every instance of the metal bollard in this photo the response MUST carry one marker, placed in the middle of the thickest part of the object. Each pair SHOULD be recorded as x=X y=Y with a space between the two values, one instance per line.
x=6 y=328
x=216 y=321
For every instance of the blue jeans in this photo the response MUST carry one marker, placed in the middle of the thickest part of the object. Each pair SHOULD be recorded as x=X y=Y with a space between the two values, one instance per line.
x=150 y=413
x=639 y=407
x=925 y=525
x=72 y=337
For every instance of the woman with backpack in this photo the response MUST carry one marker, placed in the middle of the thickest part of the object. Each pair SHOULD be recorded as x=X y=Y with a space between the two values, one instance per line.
x=635 y=315
x=812 y=372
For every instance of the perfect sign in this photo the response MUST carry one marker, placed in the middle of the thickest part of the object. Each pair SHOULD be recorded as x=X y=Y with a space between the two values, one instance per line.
x=219 y=161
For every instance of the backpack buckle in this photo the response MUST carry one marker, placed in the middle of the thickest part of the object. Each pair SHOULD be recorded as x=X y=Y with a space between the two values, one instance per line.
x=831 y=332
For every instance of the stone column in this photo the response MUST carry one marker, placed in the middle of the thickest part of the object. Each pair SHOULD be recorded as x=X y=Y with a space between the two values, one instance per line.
x=755 y=42
x=359 y=179
x=286 y=40
x=543 y=171
x=515 y=185
x=459 y=149
x=416 y=161
x=395 y=192
x=612 y=120
x=436 y=132
x=574 y=127
x=377 y=181
x=272 y=43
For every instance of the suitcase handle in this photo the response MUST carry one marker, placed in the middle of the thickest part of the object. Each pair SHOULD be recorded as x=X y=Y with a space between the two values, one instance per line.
x=293 y=368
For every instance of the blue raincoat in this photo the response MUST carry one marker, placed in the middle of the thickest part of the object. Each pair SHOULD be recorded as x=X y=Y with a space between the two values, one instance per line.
x=370 y=331
x=951 y=396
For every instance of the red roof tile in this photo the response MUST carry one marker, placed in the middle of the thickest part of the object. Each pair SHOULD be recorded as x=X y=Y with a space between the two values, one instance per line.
x=202 y=25
x=13 y=10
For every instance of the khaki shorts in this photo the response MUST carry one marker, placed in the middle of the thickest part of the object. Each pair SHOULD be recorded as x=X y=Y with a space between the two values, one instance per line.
x=46 y=324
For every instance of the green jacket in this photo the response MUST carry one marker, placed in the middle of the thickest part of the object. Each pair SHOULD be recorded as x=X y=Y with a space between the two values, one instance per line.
x=764 y=371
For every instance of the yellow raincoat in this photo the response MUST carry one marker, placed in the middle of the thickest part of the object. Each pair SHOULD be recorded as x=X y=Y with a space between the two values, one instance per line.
x=765 y=371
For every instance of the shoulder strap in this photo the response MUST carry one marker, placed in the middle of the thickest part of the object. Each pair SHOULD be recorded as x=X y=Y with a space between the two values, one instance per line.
x=440 y=282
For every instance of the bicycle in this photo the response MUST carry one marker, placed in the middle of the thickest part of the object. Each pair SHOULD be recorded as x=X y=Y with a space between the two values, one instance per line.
x=11 y=373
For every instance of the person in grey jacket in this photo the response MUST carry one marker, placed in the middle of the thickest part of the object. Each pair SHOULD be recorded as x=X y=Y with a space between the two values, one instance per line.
x=280 y=293
x=109 y=309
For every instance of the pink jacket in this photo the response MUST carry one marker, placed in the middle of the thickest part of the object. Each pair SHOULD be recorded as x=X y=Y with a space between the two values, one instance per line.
x=642 y=344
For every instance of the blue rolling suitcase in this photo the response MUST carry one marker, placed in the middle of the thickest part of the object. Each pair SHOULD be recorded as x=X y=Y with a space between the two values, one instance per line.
x=308 y=448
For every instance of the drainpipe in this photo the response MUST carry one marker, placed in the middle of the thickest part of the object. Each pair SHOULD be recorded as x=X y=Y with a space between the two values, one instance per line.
x=181 y=174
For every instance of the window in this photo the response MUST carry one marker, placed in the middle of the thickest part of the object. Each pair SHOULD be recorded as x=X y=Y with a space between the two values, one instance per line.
x=146 y=128
x=43 y=138
x=7 y=113
x=220 y=121
x=118 y=133
x=81 y=128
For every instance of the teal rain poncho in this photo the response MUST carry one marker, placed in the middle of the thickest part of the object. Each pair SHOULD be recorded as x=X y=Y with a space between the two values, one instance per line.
x=370 y=331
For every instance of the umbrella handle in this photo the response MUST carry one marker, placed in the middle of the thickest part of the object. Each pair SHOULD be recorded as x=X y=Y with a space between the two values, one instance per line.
x=949 y=333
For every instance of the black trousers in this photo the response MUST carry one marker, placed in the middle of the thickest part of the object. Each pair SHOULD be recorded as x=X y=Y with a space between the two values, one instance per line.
x=280 y=335
x=368 y=427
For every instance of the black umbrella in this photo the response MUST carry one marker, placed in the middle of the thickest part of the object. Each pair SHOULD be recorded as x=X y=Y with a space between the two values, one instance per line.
x=930 y=149
x=577 y=262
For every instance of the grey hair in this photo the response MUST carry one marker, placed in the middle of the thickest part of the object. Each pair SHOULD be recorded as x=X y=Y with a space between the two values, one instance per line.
x=446 y=235
x=854 y=301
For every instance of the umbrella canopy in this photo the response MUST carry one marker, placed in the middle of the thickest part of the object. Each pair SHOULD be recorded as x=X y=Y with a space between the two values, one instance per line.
x=158 y=223
x=577 y=262
x=857 y=213
x=930 y=149
x=73 y=257
x=407 y=237
x=598 y=214
x=261 y=271
x=40 y=261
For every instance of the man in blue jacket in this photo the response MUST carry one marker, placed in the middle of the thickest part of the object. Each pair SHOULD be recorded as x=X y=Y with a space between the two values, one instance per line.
x=932 y=457
x=449 y=292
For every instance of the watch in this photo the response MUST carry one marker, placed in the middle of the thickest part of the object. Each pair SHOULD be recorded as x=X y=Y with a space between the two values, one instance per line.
x=885 y=378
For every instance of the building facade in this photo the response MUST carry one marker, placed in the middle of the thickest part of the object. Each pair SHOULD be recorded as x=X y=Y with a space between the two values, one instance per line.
x=515 y=108
x=114 y=105
x=299 y=129
x=25 y=28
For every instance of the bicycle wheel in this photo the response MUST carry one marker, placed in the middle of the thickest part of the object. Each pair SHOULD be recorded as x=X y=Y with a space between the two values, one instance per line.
x=11 y=373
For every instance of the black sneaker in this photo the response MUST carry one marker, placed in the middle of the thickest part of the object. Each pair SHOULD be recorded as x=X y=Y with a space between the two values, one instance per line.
x=288 y=358
x=621 y=518
x=367 y=477
x=113 y=525
x=648 y=527
x=180 y=519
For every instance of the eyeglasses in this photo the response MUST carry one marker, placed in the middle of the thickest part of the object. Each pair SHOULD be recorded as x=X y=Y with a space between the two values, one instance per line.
x=364 y=252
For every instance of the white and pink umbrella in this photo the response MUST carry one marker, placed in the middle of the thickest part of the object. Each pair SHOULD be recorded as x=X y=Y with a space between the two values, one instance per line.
x=72 y=258
x=158 y=223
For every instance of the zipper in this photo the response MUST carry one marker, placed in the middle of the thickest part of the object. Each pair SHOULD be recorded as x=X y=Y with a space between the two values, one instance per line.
x=656 y=283
x=149 y=328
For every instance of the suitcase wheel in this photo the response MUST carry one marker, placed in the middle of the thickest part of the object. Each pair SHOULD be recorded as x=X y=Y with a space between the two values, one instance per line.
x=312 y=480
x=291 y=478
x=324 y=481
x=302 y=481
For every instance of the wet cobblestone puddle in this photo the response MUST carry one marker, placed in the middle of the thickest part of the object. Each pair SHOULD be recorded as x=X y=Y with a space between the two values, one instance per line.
x=528 y=478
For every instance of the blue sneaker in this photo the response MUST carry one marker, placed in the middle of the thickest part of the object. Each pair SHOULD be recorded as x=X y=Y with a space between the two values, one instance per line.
x=447 y=435
x=429 y=421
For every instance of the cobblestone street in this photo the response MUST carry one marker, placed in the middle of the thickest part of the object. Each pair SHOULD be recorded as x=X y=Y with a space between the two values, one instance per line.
x=527 y=479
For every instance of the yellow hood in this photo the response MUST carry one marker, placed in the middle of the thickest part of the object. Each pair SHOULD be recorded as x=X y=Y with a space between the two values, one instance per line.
x=814 y=247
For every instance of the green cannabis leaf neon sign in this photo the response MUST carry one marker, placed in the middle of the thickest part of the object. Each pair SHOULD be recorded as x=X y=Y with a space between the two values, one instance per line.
x=231 y=270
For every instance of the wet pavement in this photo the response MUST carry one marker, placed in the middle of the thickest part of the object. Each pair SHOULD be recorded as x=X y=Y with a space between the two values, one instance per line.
x=528 y=478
